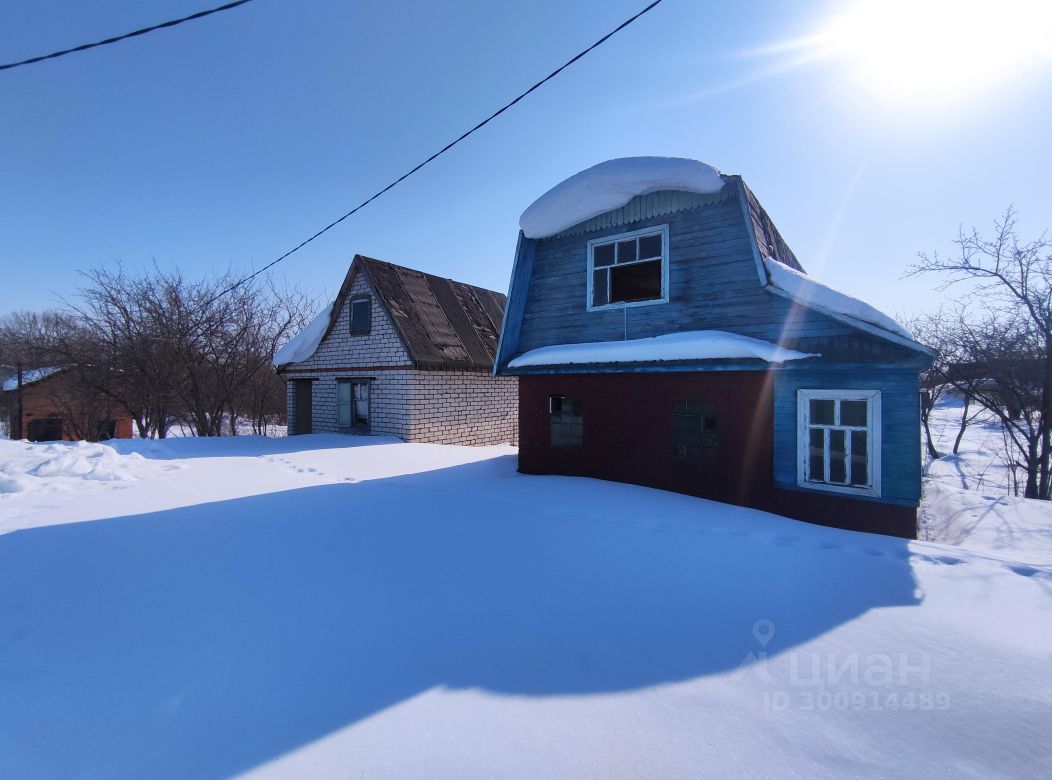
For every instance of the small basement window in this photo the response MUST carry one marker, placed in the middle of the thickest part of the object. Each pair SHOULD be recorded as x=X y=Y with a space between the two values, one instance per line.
x=352 y=404
x=693 y=429
x=567 y=422
x=630 y=269
x=361 y=314
x=839 y=440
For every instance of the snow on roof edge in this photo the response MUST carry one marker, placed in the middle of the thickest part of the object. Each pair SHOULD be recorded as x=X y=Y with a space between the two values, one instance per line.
x=687 y=345
x=29 y=376
x=807 y=290
x=305 y=343
x=610 y=185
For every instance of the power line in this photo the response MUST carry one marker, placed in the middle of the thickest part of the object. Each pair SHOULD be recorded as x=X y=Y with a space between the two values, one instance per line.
x=443 y=150
x=108 y=41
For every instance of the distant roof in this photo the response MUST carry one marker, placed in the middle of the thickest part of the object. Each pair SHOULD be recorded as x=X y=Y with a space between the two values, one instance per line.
x=29 y=376
x=443 y=323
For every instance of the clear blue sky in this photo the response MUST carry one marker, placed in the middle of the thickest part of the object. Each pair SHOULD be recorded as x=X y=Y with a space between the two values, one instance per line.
x=224 y=142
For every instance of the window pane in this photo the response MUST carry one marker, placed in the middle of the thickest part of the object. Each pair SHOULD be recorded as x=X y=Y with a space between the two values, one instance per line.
x=626 y=251
x=600 y=289
x=821 y=412
x=602 y=255
x=360 y=314
x=816 y=456
x=859 y=458
x=640 y=282
x=566 y=422
x=853 y=413
x=650 y=246
x=837 y=456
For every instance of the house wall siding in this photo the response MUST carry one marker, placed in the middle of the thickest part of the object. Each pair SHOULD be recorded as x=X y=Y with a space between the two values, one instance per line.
x=627 y=431
x=900 y=425
x=713 y=284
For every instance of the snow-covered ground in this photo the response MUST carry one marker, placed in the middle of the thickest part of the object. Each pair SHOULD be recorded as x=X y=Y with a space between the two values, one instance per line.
x=328 y=606
x=969 y=498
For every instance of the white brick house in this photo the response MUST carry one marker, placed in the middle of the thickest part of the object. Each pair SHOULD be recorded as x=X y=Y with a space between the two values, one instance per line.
x=407 y=354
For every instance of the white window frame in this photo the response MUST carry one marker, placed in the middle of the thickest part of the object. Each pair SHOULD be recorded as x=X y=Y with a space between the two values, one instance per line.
x=873 y=439
x=656 y=229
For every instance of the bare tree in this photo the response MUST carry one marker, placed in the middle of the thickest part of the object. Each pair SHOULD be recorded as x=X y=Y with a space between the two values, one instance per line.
x=1000 y=346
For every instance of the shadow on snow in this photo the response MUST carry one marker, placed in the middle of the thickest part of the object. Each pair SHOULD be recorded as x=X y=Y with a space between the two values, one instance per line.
x=209 y=639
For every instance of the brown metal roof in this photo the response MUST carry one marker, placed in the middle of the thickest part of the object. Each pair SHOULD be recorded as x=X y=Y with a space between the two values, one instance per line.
x=444 y=324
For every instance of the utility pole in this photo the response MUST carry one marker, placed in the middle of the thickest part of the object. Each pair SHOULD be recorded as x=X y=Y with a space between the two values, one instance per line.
x=16 y=428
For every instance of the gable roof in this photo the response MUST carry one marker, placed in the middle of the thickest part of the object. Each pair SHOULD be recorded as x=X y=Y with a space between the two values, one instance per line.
x=444 y=324
x=778 y=271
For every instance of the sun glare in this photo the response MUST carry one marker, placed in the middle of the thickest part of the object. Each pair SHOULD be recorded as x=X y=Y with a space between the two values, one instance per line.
x=937 y=49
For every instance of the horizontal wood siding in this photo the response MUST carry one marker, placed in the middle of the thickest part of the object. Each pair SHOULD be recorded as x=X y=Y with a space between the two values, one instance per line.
x=712 y=279
x=900 y=434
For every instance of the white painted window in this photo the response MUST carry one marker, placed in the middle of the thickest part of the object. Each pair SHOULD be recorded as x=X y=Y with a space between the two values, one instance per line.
x=630 y=269
x=838 y=436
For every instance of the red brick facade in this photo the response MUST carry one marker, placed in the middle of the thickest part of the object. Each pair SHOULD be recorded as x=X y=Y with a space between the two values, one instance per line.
x=627 y=437
x=51 y=399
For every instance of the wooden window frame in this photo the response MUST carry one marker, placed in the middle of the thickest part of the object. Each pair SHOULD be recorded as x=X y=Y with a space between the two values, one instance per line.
x=661 y=230
x=350 y=315
x=579 y=444
x=874 y=438
x=350 y=426
x=706 y=445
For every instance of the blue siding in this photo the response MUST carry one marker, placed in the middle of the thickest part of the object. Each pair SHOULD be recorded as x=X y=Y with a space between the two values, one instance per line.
x=713 y=284
x=900 y=422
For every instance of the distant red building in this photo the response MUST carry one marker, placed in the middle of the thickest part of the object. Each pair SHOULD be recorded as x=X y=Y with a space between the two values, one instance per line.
x=53 y=406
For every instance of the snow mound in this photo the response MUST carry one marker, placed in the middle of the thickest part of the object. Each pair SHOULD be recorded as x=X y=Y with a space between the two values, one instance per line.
x=29 y=377
x=689 y=345
x=30 y=468
x=302 y=346
x=806 y=290
x=610 y=185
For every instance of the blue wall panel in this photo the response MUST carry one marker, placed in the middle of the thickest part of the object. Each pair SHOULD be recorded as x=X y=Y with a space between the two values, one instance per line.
x=900 y=423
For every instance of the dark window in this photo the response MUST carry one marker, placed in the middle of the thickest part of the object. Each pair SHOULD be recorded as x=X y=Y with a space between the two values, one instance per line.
x=628 y=270
x=352 y=404
x=361 y=314
x=636 y=282
x=693 y=429
x=567 y=422
x=45 y=429
x=105 y=430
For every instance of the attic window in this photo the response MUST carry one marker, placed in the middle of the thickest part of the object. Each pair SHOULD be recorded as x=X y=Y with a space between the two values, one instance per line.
x=630 y=269
x=361 y=314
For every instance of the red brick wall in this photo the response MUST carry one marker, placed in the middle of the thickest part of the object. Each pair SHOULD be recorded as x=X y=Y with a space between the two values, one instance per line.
x=37 y=402
x=627 y=438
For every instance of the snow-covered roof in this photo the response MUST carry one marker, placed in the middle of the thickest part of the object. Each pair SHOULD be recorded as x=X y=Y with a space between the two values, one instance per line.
x=30 y=376
x=809 y=291
x=610 y=185
x=688 y=345
x=303 y=345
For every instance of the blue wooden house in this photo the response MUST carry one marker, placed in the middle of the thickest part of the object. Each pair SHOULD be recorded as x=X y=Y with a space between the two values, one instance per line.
x=665 y=334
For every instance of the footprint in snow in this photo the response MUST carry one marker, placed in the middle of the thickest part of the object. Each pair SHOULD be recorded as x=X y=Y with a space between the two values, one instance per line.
x=1024 y=571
